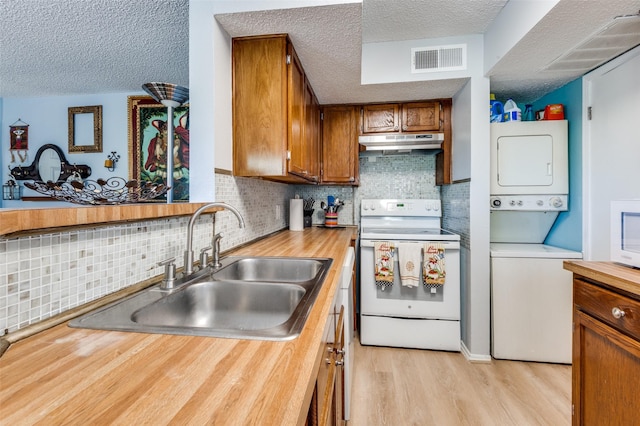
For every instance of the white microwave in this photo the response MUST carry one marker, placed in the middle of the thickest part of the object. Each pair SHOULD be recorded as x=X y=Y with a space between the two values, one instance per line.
x=625 y=232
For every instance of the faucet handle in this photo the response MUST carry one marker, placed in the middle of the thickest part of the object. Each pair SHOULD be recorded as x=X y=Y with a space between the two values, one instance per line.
x=169 y=273
x=204 y=260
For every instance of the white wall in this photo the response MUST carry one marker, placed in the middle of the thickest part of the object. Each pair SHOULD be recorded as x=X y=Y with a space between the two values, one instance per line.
x=479 y=309
x=389 y=62
x=611 y=148
x=461 y=131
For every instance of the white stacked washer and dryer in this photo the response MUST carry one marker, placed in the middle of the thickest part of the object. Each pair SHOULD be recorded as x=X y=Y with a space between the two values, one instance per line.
x=531 y=293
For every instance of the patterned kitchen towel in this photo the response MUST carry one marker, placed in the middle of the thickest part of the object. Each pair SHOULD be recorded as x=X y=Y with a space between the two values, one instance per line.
x=433 y=273
x=383 y=268
x=409 y=256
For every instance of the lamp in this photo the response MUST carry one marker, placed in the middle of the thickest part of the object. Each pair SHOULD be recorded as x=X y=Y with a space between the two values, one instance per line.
x=110 y=162
x=171 y=96
x=11 y=190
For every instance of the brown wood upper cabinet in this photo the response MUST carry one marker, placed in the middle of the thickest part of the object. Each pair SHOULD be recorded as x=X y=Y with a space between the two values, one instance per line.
x=406 y=117
x=311 y=133
x=273 y=107
x=340 y=145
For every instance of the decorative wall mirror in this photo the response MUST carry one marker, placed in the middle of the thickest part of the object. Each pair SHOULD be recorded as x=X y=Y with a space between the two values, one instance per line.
x=50 y=164
x=85 y=129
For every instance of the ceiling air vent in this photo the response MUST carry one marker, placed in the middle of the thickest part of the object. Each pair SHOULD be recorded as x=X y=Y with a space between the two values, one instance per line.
x=439 y=58
x=615 y=38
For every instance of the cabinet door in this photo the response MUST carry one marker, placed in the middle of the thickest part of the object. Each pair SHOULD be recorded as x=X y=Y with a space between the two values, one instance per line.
x=338 y=393
x=312 y=133
x=606 y=373
x=380 y=118
x=443 y=159
x=421 y=117
x=259 y=96
x=297 y=154
x=339 y=145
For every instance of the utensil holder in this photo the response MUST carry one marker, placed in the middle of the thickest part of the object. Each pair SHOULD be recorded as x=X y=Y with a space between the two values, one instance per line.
x=330 y=219
x=307 y=218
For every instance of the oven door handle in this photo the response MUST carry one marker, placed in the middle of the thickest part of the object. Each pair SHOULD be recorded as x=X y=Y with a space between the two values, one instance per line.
x=447 y=245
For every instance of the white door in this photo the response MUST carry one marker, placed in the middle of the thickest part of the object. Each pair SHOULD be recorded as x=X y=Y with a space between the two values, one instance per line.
x=611 y=147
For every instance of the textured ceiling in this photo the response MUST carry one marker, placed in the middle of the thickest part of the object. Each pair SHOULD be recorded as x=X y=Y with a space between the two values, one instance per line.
x=63 y=47
x=417 y=19
x=55 y=47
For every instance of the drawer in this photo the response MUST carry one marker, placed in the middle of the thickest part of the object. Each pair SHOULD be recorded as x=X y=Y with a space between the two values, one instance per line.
x=617 y=310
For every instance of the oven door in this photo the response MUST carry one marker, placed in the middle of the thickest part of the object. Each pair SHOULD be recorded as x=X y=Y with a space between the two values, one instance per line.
x=436 y=302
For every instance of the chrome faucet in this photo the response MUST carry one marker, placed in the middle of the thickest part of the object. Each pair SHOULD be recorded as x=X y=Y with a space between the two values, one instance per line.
x=188 y=254
x=215 y=241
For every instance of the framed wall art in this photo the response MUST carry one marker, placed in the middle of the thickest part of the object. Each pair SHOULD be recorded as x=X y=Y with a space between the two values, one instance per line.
x=85 y=129
x=148 y=144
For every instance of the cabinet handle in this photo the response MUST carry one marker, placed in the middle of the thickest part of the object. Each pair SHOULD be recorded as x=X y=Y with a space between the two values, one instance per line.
x=617 y=312
x=341 y=362
x=340 y=351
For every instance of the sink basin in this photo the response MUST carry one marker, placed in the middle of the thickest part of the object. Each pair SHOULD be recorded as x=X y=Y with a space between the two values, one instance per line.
x=263 y=298
x=280 y=269
x=224 y=305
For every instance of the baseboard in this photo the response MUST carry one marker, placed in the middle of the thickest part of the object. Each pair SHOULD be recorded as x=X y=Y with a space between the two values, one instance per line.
x=473 y=357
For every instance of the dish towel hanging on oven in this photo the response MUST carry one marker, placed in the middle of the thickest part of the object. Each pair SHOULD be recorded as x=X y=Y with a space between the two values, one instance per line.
x=433 y=273
x=409 y=256
x=383 y=268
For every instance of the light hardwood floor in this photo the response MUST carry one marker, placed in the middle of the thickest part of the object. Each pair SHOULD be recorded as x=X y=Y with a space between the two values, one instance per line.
x=420 y=387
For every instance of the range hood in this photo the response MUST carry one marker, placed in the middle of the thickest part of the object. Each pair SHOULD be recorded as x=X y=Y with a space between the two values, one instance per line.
x=401 y=143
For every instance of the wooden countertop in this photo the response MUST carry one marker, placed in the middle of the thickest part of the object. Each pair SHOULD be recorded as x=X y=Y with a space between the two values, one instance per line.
x=77 y=376
x=612 y=275
x=16 y=222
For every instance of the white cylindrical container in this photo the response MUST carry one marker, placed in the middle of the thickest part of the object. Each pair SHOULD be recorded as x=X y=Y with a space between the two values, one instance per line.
x=296 y=219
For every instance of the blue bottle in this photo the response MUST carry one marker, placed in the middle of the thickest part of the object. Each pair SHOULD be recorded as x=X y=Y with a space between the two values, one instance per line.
x=528 y=113
x=496 y=110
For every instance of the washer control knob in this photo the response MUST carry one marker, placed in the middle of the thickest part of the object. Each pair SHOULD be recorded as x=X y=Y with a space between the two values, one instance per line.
x=495 y=202
x=556 y=202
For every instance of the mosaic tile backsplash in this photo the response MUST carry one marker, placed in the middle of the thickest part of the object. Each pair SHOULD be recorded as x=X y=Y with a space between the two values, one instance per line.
x=41 y=276
x=44 y=275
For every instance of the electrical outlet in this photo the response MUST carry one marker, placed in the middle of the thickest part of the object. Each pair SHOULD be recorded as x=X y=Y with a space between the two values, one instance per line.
x=278 y=214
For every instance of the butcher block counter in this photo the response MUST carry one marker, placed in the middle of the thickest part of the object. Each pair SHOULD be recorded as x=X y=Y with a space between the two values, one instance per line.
x=76 y=376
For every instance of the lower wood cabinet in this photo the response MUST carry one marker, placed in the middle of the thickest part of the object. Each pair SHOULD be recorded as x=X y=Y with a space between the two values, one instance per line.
x=606 y=354
x=327 y=404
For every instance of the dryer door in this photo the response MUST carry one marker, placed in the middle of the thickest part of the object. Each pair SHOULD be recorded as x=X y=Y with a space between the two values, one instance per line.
x=529 y=157
x=525 y=160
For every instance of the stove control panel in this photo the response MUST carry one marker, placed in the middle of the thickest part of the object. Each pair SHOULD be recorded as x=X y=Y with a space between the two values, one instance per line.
x=554 y=203
x=431 y=208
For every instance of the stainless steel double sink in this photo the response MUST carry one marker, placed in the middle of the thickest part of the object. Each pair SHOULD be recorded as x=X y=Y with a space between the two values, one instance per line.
x=263 y=298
